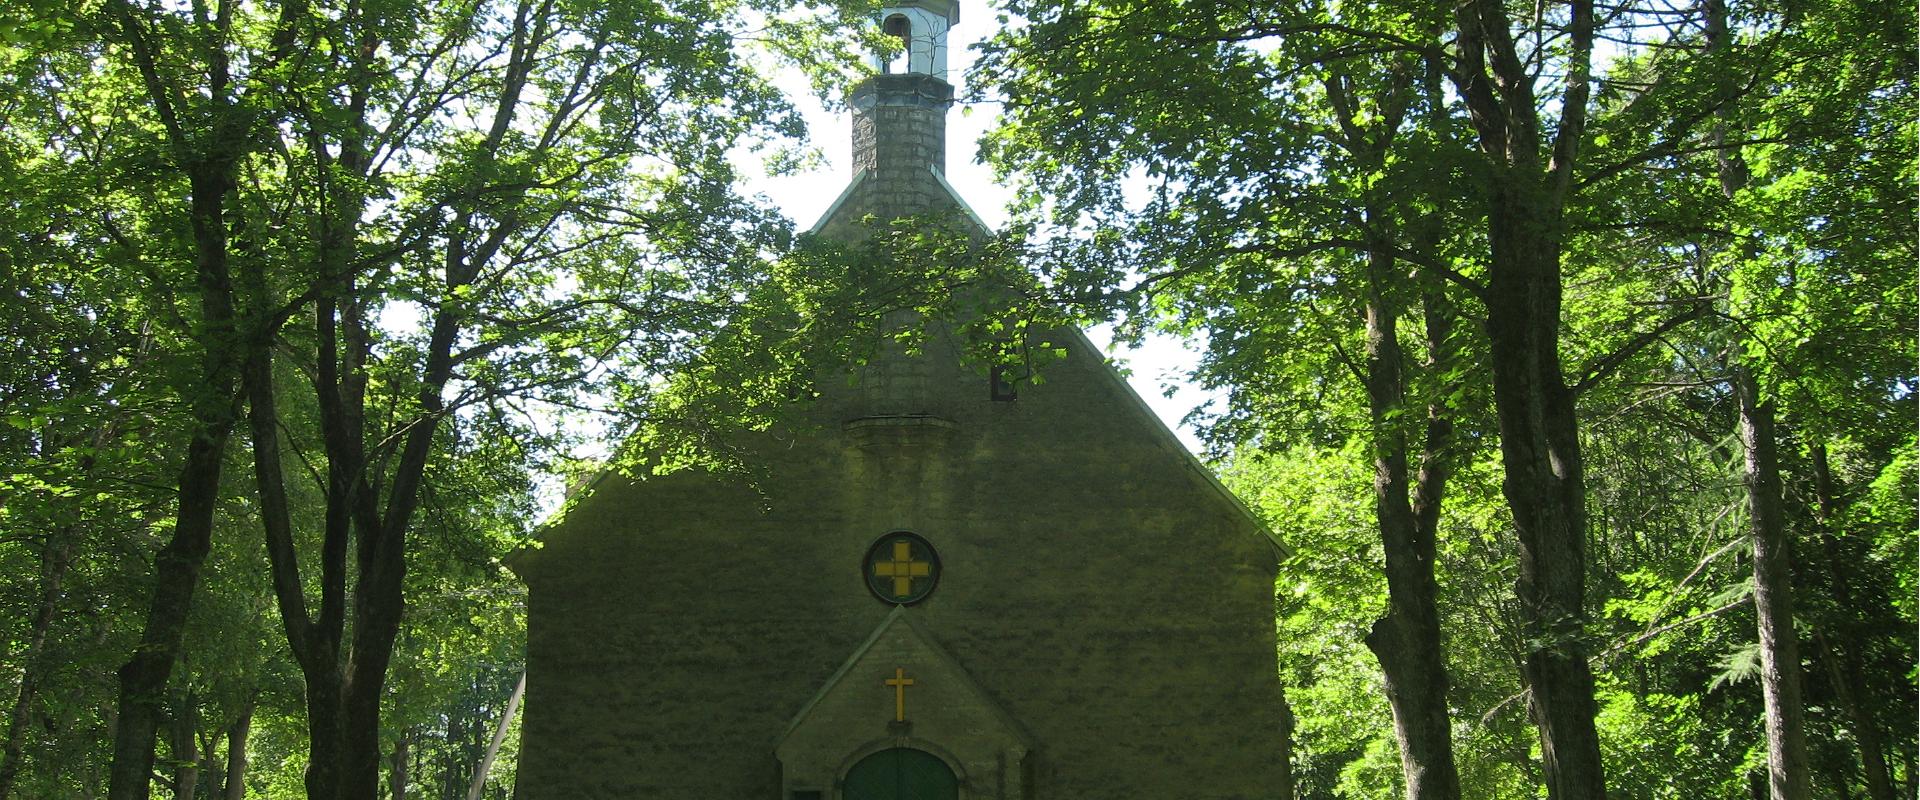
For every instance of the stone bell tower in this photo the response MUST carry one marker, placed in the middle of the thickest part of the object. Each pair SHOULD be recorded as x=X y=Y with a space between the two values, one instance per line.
x=900 y=114
x=900 y=122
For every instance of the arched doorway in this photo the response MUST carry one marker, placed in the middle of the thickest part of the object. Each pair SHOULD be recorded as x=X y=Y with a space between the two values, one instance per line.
x=902 y=773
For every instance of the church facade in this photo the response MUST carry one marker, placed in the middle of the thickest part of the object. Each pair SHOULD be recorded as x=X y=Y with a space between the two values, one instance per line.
x=944 y=588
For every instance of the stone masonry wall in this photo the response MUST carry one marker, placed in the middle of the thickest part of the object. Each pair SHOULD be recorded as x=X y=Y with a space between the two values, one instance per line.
x=1094 y=585
x=899 y=131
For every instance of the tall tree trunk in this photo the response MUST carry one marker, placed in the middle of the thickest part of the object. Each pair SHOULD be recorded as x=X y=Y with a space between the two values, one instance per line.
x=183 y=729
x=345 y=648
x=143 y=679
x=1773 y=595
x=379 y=597
x=1406 y=640
x=53 y=570
x=1544 y=483
x=1530 y=175
x=1843 y=670
x=345 y=679
x=499 y=737
x=208 y=157
x=1787 y=767
x=397 y=766
x=315 y=641
x=176 y=569
x=237 y=753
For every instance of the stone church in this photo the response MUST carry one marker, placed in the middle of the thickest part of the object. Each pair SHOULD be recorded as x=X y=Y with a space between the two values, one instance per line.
x=949 y=587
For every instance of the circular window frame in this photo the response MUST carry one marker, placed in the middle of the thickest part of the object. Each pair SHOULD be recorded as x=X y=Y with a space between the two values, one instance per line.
x=874 y=582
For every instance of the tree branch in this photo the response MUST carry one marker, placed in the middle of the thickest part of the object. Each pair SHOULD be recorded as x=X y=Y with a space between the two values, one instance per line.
x=1606 y=364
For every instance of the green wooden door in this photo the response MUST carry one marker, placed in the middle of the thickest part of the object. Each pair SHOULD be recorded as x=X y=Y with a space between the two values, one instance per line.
x=900 y=774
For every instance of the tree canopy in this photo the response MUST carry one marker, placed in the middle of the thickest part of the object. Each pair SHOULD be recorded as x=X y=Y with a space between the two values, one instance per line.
x=1418 y=238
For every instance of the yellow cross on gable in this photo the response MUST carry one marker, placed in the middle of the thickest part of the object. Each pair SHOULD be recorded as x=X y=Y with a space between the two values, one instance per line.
x=902 y=569
x=899 y=682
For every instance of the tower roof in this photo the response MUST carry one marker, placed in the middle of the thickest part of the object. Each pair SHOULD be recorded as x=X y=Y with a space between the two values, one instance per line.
x=945 y=8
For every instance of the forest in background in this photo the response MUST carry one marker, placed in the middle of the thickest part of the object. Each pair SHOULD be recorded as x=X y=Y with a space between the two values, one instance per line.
x=1569 y=346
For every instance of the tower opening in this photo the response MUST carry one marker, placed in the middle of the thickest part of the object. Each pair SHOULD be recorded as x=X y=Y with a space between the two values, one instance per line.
x=898 y=27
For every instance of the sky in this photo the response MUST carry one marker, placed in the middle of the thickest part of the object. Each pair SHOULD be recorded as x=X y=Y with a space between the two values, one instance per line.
x=1155 y=368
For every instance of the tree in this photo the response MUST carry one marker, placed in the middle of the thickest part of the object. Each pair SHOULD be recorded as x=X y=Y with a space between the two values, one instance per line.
x=1771 y=382
x=75 y=490
x=1222 y=245
x=313 y=161
x=1763 y=280
x=1525 y=83
x=199 y=135
x=567 y=249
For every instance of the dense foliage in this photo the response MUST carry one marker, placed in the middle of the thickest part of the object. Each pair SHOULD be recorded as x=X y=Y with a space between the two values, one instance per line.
x=1542 y=330
x=302 y=299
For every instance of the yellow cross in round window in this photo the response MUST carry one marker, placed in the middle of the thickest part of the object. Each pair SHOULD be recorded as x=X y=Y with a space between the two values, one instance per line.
x=902 y=568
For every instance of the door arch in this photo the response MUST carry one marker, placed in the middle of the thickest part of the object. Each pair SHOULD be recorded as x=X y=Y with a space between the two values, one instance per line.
x=900 y=773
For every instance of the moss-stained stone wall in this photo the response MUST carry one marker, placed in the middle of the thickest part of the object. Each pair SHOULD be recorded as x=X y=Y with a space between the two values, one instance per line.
x=1095 y=586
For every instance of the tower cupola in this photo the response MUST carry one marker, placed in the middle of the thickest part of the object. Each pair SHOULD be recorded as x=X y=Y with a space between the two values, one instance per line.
x=921 y=26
